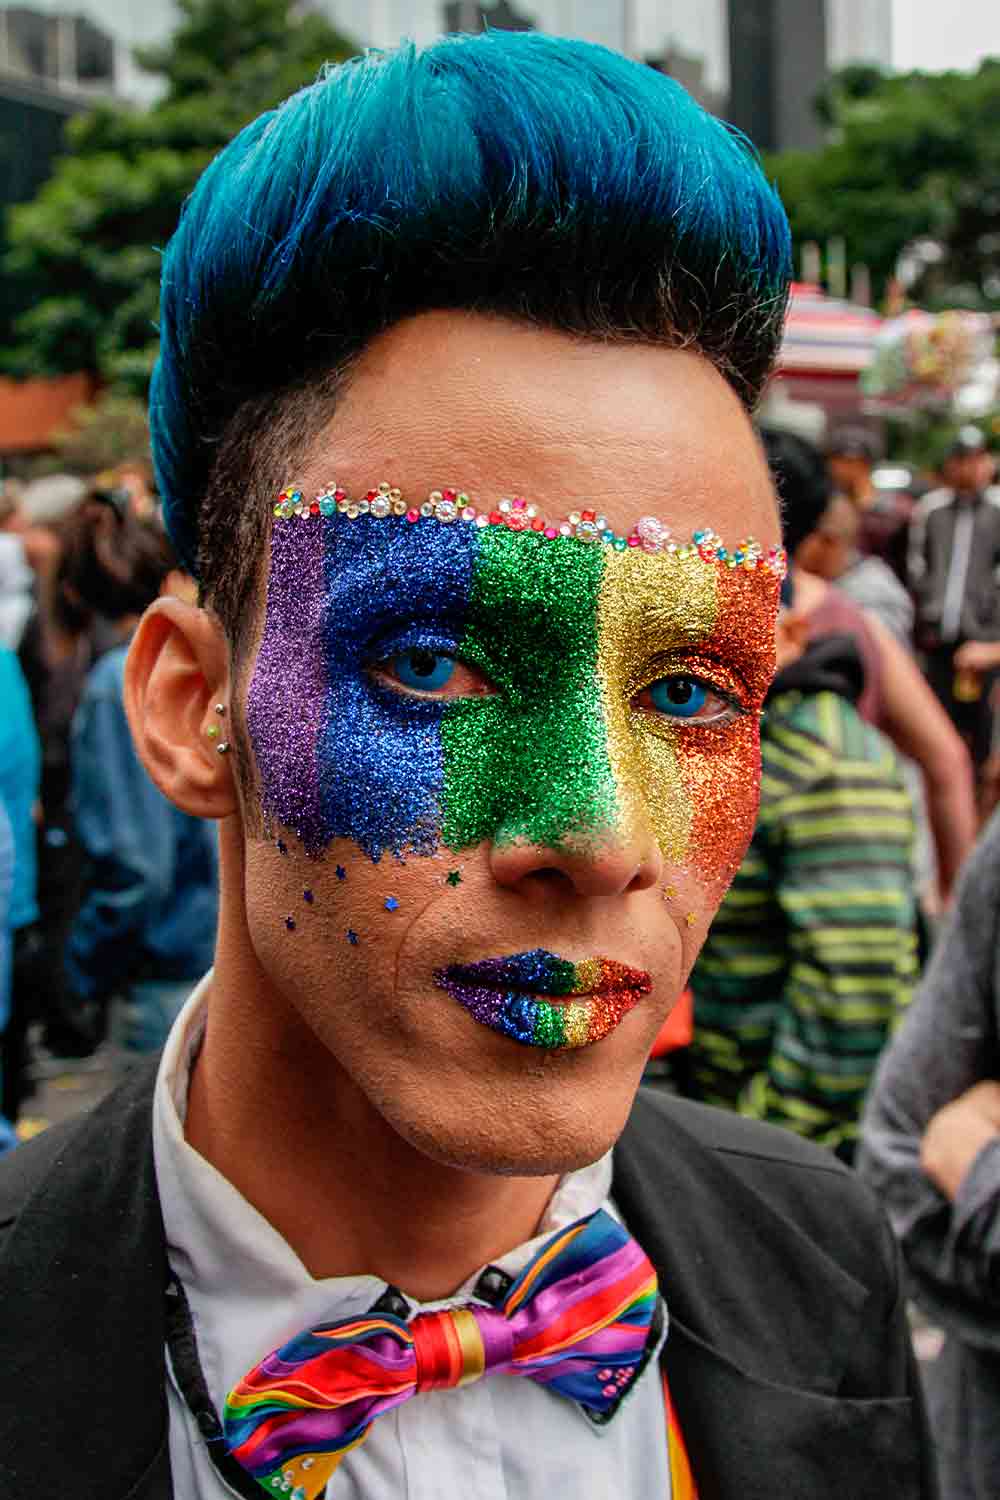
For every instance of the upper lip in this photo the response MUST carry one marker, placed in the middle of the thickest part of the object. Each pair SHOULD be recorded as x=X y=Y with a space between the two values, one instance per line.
x=508 y=973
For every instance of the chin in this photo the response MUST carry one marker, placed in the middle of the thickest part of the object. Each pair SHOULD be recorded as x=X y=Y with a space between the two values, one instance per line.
x=556 y=1117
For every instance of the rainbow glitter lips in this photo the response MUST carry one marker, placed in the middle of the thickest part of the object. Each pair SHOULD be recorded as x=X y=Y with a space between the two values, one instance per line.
x=501 y=993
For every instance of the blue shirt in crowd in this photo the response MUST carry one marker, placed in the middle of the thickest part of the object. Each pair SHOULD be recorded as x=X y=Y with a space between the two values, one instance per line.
x=20 y=772
x=151 y=904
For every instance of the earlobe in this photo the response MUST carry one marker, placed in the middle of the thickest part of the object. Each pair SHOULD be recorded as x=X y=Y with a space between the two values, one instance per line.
x=176 y=675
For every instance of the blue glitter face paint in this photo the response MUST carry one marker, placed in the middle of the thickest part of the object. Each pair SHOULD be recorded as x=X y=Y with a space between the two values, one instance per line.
x=338 y=755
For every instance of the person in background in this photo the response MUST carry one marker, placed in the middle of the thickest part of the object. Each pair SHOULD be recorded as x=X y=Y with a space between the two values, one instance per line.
x=931 y=1150
x=851 y=454
x=63 y=641
x=20 y=763
x=8 y=1134
x=146 y=926
x=811 y=958
x=953 y=572
x=896 y=699
x=831 y=553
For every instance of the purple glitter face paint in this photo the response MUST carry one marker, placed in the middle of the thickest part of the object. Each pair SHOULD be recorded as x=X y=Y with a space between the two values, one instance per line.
x=594 y=996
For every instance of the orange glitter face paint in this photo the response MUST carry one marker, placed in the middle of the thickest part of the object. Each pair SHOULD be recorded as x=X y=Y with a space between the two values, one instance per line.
x=721 y=774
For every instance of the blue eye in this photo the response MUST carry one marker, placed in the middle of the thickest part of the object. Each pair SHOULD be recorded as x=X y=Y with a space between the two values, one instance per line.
x=681 y=697
x=427 y=671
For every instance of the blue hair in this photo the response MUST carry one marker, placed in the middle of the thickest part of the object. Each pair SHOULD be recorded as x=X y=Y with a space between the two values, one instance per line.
x=514 y=173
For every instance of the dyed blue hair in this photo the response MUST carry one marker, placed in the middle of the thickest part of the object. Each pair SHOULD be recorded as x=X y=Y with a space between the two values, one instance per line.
x=514 y=173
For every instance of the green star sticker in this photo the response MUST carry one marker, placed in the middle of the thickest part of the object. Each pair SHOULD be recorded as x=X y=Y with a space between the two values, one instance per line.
x=454 y=877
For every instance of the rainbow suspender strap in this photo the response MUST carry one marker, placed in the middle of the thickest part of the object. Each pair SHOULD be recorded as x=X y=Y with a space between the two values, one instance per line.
x=682 y=1485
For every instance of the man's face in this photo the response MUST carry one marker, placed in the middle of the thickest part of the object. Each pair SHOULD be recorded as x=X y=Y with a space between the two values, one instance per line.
x=507 y=778
x=849 y=473
x=967 y=471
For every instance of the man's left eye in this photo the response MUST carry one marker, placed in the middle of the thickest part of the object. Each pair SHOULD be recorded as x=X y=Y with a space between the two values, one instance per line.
x=432 y=674
x=683 y=697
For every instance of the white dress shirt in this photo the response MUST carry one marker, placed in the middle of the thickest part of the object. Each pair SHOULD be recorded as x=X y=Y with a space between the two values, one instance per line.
x=501 y=1438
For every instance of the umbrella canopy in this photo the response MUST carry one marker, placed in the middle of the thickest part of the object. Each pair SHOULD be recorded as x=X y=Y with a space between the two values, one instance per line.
x=825 y=335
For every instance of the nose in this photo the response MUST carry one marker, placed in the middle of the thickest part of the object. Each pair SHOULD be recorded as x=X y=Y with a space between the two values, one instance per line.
x=617 y=865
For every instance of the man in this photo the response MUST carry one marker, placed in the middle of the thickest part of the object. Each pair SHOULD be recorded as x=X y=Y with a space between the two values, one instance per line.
x=450 y=419
x=953 y=567
x=831 y=553
x=851 y=453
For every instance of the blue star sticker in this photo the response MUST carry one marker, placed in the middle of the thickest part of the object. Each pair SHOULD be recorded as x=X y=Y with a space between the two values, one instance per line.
x=391 y=904
x=341 y=873
x=352 y=937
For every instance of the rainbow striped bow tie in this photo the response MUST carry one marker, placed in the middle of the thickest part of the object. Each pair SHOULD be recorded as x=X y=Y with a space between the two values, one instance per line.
x=579 y=1318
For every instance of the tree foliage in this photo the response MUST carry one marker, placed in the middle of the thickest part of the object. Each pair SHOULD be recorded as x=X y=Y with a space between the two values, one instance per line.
x=83 y=256
x=912 y=158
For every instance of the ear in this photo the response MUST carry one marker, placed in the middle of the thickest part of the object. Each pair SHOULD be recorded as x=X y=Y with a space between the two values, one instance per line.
x=176 y=673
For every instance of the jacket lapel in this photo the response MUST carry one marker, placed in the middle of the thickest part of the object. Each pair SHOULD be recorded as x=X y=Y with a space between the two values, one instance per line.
x=89 y=1370
x=762 y=1326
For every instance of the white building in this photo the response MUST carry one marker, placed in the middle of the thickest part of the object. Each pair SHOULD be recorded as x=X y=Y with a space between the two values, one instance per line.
x=859 y=31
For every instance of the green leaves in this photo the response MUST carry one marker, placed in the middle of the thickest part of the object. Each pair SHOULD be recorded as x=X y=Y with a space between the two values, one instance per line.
x=911 y=157
x=80 y=263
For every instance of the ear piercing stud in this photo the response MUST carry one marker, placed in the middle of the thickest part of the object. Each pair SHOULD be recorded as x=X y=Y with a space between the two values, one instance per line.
x=213 y=731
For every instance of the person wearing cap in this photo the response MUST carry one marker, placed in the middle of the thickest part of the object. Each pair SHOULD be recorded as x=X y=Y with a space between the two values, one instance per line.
x=953 y=572
x=452 y=423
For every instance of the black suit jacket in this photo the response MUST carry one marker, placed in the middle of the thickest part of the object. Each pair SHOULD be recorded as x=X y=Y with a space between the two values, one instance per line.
x=788 y=1353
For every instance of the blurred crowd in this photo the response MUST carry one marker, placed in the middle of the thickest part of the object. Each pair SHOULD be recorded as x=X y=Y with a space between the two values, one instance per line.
x=107 y=892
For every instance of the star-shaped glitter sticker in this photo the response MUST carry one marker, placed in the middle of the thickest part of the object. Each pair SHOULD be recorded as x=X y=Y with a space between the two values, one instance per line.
x=454 y=877
x=341 y=873
x=391 y=904
x=352 y=937
x=669 y=892
x=690 y=919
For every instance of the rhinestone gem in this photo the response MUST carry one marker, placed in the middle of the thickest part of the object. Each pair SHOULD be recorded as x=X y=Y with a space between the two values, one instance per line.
x=380 y=507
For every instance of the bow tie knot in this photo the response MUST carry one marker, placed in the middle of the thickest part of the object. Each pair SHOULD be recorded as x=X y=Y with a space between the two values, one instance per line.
x=579 y=1319
x=455 y=1347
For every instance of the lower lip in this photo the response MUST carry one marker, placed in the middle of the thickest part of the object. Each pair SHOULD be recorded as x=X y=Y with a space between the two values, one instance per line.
x=602 y=995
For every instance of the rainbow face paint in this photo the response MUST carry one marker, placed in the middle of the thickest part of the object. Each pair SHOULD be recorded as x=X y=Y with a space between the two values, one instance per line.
x=503 y=995
x=557 y=754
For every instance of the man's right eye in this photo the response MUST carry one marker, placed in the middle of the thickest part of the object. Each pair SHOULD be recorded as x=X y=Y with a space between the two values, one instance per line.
x=423 y=672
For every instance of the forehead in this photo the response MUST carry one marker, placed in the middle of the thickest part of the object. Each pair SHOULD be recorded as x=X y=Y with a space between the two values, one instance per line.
x=498 y=408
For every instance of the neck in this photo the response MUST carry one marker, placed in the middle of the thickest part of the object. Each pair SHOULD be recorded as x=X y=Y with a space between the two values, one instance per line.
x=277 y=1116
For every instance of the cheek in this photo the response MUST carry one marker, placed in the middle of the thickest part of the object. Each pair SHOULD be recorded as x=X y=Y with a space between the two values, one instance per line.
x=724 y=788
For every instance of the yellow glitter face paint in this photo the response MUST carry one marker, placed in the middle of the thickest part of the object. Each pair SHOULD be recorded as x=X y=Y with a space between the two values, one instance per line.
x=649 y=610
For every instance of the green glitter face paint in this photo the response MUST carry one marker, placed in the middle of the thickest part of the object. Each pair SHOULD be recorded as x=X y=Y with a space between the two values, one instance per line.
x=530 y=764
